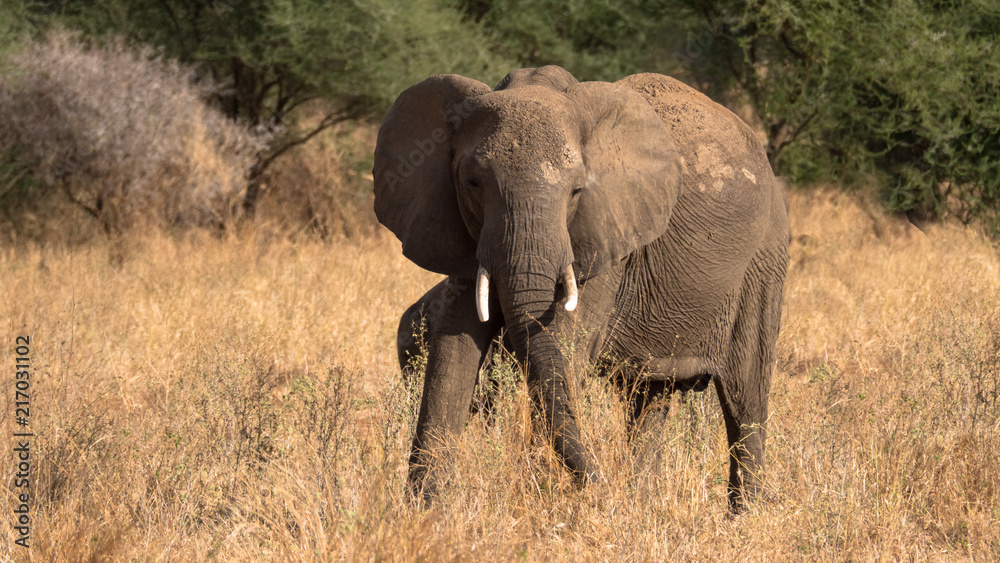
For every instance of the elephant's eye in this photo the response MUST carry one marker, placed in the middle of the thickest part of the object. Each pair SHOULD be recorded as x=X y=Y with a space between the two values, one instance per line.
x=576 y=191
x=473 y=183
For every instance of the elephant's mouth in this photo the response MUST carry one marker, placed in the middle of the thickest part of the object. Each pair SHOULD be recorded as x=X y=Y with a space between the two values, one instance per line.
x=483 y=291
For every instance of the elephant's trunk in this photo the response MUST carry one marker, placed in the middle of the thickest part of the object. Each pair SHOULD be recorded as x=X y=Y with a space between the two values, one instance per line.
x=526 y=284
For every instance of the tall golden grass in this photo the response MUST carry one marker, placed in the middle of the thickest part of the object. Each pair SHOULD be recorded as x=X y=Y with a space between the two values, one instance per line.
x=239 y=399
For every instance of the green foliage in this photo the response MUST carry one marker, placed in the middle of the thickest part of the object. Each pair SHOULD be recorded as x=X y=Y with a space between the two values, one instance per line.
x=13 y=28
x=593 y=39
x=901 y=92
x=272 y=57
x=17 y=182
x=939 y=111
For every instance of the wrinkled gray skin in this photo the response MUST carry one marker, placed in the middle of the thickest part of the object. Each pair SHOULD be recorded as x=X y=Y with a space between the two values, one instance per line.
x=662 y=202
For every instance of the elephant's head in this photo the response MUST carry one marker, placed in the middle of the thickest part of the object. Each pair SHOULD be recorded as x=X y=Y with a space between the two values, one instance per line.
x=537 y=182
x=541 y=182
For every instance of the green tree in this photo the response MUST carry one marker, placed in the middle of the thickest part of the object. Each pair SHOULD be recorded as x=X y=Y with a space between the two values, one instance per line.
x=12 y=26
x=593 y=39
x=16 y=179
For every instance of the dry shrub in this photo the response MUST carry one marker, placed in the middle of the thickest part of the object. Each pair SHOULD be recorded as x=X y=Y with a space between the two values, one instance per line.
x=124 y=133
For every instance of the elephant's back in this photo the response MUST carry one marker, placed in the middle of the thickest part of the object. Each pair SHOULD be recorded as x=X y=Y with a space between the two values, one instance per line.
x=728 y=184
x=701 y=128
x=720 y=154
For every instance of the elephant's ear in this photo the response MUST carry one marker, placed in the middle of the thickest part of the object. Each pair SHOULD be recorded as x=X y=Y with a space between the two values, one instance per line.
x=551 y=76
x=633 y=176
x=414 y=194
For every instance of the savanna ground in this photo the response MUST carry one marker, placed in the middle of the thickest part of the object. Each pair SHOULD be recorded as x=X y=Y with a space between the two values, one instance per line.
x=238 y=398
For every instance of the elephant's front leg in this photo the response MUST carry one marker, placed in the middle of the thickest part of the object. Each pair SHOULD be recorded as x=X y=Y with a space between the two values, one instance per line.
x=457 y=346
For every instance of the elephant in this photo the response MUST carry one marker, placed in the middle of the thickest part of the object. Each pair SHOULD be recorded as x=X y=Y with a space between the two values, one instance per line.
x=637 y=220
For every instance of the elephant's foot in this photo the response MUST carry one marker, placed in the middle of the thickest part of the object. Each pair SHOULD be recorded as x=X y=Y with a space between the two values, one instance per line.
x=748 y=490
x=423 y=484
x=743 y=503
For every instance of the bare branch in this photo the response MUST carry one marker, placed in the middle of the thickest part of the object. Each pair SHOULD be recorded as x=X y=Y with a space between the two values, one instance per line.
x=328 y=121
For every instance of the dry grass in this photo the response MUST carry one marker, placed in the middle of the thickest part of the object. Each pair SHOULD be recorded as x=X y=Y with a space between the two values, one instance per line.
x=239 y=399
x=323 y=188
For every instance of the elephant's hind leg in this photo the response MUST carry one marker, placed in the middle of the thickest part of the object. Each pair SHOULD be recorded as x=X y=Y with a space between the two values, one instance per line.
x=745 y=383
x=647 y=408
x=648 y=402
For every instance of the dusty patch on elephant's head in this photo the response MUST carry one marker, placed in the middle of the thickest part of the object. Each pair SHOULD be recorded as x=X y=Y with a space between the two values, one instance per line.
x=571 y=157
x=549 y=172
x=749 y=175
x=553 y=172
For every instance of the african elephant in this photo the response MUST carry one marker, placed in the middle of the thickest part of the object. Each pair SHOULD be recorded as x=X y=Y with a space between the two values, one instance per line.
x=637 y=219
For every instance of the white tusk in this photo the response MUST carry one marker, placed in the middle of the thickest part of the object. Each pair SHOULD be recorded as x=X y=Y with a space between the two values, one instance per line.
x=483 y=294
x=569 y=280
